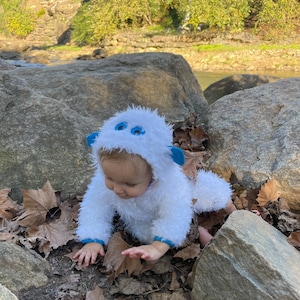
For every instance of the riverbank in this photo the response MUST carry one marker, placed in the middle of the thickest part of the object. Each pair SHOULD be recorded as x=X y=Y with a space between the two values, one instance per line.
x=241 y=52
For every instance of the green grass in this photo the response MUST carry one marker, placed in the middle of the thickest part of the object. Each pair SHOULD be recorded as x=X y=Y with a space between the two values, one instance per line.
x=263 y=47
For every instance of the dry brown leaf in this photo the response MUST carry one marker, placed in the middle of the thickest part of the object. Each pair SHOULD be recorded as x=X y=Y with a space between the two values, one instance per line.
x=268 y=192
x=95 y=294
x=8 y=208
x=190 y=138
x=241 y=201
x=181 y=138
x=211 y=219
x=174 y=285
x=11 y=228
x=37 y=204
x=194 y=161
x=5 y=236
x=117 y=263
x=294 y=239
x=189 y=252
x=55 y=233
x=198 y=136
x=70 y=209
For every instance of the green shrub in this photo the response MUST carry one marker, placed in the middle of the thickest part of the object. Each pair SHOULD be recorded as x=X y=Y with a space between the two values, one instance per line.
x=15 y=19
x=278 y=18
x=41 y=13
x=223 y=14
x=98 y=19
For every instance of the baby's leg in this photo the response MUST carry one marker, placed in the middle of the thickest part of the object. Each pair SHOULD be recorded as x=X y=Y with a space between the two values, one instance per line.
x=230 y=207
x=204 y=235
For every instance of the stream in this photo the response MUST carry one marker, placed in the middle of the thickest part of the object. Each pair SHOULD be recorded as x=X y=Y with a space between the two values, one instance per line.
x=207 y=78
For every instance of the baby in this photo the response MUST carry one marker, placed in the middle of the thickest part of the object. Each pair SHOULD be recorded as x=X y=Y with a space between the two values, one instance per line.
x=138 y=175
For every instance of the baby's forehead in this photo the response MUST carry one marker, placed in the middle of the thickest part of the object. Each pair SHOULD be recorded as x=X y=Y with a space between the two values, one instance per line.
x=121 y=154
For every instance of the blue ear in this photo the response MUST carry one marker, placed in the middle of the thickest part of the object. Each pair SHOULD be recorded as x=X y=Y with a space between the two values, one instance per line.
x=90 y=139
x=177 y=155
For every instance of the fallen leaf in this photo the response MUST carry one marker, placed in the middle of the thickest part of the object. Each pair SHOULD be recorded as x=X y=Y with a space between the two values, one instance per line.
x=6 y=236
x=198 y=136
x=294 y=239
x=8 y=208
x=174 y=285
x=55 y=233
x=211 y=219
x=117 y=263
x=37 y=204
x=189 y=252
x=268 y=192
x=181 y=138
x=194 y=161
x=95 y=294
x=241 y=201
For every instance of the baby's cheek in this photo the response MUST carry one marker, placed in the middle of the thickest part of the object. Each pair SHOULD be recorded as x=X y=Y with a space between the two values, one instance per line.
x=108 y=185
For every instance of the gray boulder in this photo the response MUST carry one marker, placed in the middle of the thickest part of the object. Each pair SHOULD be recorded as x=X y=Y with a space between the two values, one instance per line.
x=46 y=113
x=247 y=259
x=233 y=83
x=6 y=294
x=254 y=135
x=21 y=268
x=5 y=65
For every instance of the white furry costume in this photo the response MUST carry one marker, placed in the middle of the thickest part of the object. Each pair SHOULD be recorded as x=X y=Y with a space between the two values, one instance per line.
x=165 y=210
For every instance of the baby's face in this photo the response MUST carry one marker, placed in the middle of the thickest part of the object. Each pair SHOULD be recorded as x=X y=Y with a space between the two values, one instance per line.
x=125 y=179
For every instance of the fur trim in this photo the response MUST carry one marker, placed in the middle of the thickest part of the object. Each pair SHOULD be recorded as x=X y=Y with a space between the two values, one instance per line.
x=165 y=209
x=211 y=192
x=152 y=140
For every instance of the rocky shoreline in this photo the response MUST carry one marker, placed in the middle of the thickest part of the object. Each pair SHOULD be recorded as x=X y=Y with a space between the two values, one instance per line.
x=241 y=59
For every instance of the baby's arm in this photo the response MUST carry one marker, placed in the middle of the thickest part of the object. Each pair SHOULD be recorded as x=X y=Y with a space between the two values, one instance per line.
x=94 y=222
x=148 y=252
x=88 y=254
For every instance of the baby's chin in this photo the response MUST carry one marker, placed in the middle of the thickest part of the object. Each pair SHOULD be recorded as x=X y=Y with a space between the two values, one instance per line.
x=124 y=197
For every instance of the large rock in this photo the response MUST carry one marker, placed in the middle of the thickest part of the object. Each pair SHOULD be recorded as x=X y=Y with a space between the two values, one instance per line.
x=6 y=294
x=5 y=65
x=247 y=259
x=254 y=135
x=21 y=268
x=46 y=113
x=233 y=83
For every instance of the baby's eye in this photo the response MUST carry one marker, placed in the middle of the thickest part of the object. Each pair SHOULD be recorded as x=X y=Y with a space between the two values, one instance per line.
x=137 y=130
x=131 y=184
x=121 y=126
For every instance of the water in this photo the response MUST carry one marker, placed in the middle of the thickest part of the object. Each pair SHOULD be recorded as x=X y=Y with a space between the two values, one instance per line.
x=204 y=78
x=207 y=78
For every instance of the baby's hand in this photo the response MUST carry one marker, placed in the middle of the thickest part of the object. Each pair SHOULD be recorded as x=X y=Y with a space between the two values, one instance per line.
x=147 y=252
x=89 y=253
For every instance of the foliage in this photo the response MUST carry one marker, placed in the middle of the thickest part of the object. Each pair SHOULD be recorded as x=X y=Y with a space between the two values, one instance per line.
x=225 y=15
x=15 y=18
x=280 y=17
x=98 y=19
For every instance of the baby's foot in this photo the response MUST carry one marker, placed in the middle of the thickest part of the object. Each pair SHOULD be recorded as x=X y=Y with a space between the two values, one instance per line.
x=204 y=236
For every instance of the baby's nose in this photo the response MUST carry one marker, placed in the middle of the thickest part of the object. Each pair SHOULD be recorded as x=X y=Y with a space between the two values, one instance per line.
x=118 y=189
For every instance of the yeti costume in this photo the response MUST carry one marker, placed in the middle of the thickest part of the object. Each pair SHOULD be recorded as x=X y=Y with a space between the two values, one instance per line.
x=164 y=212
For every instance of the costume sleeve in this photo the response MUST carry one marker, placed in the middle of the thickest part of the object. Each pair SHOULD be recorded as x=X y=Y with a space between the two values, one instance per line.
x=212 y=192
x=96 y=213
x=175 y=212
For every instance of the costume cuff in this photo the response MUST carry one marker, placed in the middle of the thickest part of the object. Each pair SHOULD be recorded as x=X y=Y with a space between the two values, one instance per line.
x=166 y=241
x=85 y=241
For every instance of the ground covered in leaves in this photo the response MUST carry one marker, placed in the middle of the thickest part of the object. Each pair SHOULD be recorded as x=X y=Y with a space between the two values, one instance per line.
x=46 y=224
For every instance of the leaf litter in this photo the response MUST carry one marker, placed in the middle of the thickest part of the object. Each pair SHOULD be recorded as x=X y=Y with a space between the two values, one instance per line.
x=46 y=224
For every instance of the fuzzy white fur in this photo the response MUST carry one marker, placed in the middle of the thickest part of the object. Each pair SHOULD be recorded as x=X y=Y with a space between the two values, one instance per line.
x=165 y=209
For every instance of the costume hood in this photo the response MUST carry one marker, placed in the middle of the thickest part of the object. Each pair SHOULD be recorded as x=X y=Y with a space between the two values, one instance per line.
x=139 y=131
